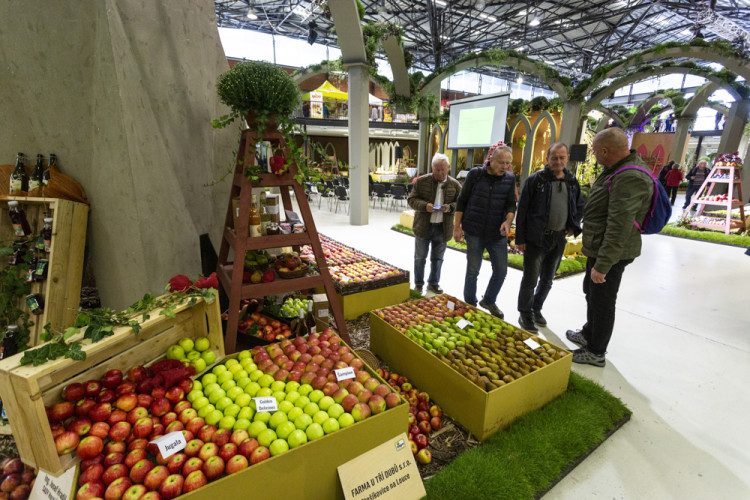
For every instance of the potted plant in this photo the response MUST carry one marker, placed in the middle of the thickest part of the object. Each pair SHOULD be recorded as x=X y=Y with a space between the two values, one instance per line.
x=265 y=95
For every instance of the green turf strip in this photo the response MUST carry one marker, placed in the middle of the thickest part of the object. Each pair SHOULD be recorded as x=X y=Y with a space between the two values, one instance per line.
x=535 y=452
x=567 y=266
x=711 y=236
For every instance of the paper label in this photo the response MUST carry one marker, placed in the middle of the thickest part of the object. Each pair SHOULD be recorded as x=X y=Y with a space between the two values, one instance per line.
x=388 y=471
x=266 y=403
x=451 y=306
x=272 y=209
x=344 y=373
x=170 y=443
x=463 y=323
x=323 y=313
x=49 y=487
x=533 y=344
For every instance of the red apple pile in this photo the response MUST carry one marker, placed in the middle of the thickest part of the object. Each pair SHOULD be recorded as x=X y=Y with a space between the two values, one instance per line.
x=425 y=417
x=265 y=328
x=16 y=479
x=348 y=265
x=418 y=312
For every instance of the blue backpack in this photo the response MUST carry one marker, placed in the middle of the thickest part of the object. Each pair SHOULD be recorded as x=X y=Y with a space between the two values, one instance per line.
x=661 y=207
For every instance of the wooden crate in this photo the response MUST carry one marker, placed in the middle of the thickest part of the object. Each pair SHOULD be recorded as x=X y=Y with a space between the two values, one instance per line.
x=25 y=390
x=62 y=288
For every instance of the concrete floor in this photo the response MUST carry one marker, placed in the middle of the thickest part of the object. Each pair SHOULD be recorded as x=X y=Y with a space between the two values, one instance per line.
x=679 y=359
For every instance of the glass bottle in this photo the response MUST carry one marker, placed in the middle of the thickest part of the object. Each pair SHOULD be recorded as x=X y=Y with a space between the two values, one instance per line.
x=35 y=303
x=265 y=217
x=301 y=328
x=18 y=179
x=52 y=161
x=37 y=174
x=30 y=274
x=47 y=234
x=19 y=249
x=254 y=219
x=310 y=317
x=18 y=218
x=8 y=348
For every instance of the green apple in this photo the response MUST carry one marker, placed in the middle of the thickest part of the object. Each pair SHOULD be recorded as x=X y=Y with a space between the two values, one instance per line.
x=330 y=425
x=206 y=410
x=252 y=388
x=303 y=421
x=244 y=355
x=291 y=386
x=305 y=389
x=248 y=365
x=301 y=402
x=262 y=416
x=202 y=343
x=232 y=410
x=255 y=427
x=217 y=395
x=231 y=362
x=246 y=413
x=278 y=385
x=266 y=380
x=285 y=406
x=175 y=352
x=277 y=418
x=294 y=413
x=194 y=396
x=228 y=385
x=243 y=399
x=210 y=387
x=218 y=369
x=187 y=344
x=240 y=374
x=314 y=431
x=316 y=395
x=241 y=424
x=279 y=396
x=236 y=368
x=292 y=396
x=263 y=392
x=297 y=438
x=209 y=378
x=266 y=437
x=193 y=356
x=209 y=357
x=224 y=376
x=284 y=429
x=200 y=402
x=226 y=423
x=320 y=417
x=234 y=392
x=197 y=385
x=326 y=402
x=199 y=365
x=346 y=420
x=243 y=382
x=311 y=408
x=255 y=375
x=214 y=417
x=278 y=447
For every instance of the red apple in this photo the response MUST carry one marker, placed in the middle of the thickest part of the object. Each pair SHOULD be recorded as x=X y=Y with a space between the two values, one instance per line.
x=207 y=451
x=100 y=430
x=392 y=399
x=174 y=394
x=186 y=385
x=81 y=425
x=116 y=457
x=236 y=464
x=160 y=407
x=135 y=492
x=137 y=413
x=175 y=426
x=238 y=436
x=145 y=400
x=126 y=387
x=181 y=406
x=134 y=456
x=193 y=464
x=117 y=416
x=90 y=490
x=120 y=431
x=435 y=411
x=424 y=456
x=421 y=440
x=112 y=379
x=424 y=427
x=156 y=477
x=137 y=373
x=422 y=416
x=227 y=451
x=259 y=454
x=140 y=469
x=158 y=392
x=213 y=467
x=89 y=447
x=348 y=402
x=435 y=423
x=97 y=460
x=114 y=447
x=56 y=429
x=206 y=433
x=127 y=402
x=221 y=437
x=247 y=447
x=92 y=388
x=100 y=412
x=176 y=462
x=61 y=411
x=364 y=395
x=114 y=472
x=117 y=488
x=376 y=403
x=73 y=392
x=92 y=474
x=137 y=444
x=195 y=424
x=168 y=418
x=172 y=487
x=143 y=427
x=194 y=480
x=106 y=396
x=193 y=447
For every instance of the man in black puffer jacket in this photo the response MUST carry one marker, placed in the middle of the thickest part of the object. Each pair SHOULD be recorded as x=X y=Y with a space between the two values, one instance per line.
x=550 y=207
x=484 y=212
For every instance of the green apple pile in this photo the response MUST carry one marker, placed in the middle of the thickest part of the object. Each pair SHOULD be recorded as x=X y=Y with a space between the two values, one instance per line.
x=196 y=352
x=300 y=375
x=291 y=306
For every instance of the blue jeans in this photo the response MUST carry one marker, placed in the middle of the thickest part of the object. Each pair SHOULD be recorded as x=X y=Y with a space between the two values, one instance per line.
x=498 y=250
x=421 y=247
x=539 y=265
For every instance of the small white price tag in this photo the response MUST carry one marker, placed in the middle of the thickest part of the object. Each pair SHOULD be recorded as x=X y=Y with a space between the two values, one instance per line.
x=451 y=305
x=49 y=487
x=170 y=443
x=266 y=403
x=344 y=373
x=463 y=323
x=323 y=313
x=533 y=344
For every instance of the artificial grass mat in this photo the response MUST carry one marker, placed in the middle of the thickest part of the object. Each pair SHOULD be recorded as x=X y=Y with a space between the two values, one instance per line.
x=567 y=267
x=527 y=459
x=738 y=240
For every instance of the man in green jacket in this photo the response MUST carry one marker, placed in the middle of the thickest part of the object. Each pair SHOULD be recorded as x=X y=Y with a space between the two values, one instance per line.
x=611 y=239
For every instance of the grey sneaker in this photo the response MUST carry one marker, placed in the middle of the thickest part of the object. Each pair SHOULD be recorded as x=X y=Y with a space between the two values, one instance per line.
x=576 y=337
x=586 y=357
x=538 y=318
x=492 y=308
x=526 y=322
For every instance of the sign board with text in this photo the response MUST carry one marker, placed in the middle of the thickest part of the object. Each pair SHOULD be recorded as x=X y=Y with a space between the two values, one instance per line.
x=388 y=471
x=49 y=487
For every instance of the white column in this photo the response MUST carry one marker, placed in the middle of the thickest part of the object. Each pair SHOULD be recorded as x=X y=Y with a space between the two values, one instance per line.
x=734 y=126
x=359 y=151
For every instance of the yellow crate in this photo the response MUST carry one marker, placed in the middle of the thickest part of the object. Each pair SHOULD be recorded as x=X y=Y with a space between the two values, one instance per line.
x=482 y=412
x=407 y=219
x=25 y=390
x=356 y=304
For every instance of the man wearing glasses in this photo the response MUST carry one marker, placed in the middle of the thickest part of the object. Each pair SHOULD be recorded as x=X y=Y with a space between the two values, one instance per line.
x=550 y=208
x=484 y=212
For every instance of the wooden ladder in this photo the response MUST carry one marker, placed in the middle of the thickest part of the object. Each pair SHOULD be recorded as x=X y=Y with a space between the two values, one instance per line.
x=731 y=202
x=230 y=276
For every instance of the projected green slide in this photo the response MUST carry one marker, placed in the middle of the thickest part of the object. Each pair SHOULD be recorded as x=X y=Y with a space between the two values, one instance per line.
x=475 y=125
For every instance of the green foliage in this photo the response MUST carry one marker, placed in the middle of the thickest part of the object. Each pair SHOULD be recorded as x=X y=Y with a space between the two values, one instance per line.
x=519 y=106
x=361 y=10
x=539 y=103
x=524 y=460
x=373 y=34
x=555 y=104
x=256 y=86
x=680 y=229
x=13 y=289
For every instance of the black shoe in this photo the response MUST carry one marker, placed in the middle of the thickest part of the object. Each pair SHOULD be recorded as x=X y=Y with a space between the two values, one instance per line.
x=538 y=318
x=418 y=288
x=492 y=308
x=526 y=322
x=434 y=288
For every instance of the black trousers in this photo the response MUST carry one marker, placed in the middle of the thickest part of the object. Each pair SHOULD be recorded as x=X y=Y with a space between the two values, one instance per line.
x=672 y=192
x=601 y=299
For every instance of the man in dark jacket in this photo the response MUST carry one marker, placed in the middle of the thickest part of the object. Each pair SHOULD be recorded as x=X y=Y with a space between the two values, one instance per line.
x=550 y=208
x=485 y=209
x=434 y=201
x=695 y=178
x=663 y=173
x=611 y=239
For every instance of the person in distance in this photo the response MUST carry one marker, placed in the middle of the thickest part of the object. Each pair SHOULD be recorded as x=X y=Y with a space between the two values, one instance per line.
x=433 y=200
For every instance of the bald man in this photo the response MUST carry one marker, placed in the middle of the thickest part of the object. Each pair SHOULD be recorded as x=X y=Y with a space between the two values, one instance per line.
x=611 y=239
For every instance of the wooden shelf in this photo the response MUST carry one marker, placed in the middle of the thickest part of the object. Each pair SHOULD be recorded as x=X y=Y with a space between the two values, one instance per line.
x=279 y=285
x=724 y=224
x=718 y=227
x=735 y=203
x=276 y=241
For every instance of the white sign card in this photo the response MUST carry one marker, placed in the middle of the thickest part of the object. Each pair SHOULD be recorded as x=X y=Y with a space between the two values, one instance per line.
x=171 y=443
x=49 y=487
x=388 y=471
x=266 y=403
x=463 y=323
x=451 y=305
x=533 y=344
x=344 y=373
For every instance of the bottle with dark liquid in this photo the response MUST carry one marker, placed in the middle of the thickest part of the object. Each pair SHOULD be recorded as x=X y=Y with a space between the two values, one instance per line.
x=18 y=218
x=52 y=162
x=37 y=174
x=301 y=328
x=47 y=234
x=8 y=348
x=18 y=179
x=310 y=318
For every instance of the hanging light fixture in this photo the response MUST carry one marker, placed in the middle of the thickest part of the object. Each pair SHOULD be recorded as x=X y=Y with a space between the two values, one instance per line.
x=251 y=14
x=535 y=22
